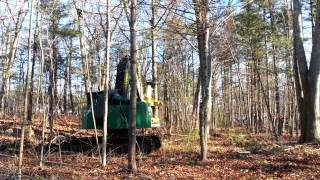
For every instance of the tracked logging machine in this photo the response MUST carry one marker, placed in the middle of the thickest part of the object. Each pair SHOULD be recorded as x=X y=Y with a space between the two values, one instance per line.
x=147 y=122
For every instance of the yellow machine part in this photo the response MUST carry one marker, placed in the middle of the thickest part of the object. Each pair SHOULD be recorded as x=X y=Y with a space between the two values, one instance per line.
x=155 y=121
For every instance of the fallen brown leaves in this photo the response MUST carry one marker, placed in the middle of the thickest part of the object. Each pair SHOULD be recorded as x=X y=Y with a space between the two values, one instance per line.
x=177 y=159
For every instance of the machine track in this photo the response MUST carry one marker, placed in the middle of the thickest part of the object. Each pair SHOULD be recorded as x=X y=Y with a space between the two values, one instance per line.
x=116 y=143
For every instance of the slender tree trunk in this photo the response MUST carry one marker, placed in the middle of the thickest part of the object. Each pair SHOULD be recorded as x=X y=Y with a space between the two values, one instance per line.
x=196 y=100
x=65 y=87
x=69 y=77
x=154 y=56
x=277 y=119
x=106 y=87
x=132 y=166
x=43 y=98
x=51 y=88
x=82 y=49
x=87 y=77
x=35 y=48
x=202 y=9
x=27 y=90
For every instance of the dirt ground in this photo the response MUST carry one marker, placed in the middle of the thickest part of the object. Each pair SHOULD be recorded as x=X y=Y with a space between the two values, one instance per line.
x=232 y=155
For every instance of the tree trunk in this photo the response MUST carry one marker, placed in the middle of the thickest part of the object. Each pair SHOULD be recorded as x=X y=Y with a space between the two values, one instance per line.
x=65 y=87
x=202 y=9
x=51 y=87
x=35 y=48
x=196 y=101
x=153 y=54
x=43 y=98
x=277 y=119
x=314 y=79
x=307 y=80
x=26 y=98
x=132 y=166
x=82 y=49
x=106 y=88
x=69 y=77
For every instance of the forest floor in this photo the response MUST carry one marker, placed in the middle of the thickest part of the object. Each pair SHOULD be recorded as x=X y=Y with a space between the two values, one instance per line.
x=233 y=154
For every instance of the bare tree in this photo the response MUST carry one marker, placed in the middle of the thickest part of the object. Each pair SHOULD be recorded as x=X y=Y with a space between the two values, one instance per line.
x=9 y=60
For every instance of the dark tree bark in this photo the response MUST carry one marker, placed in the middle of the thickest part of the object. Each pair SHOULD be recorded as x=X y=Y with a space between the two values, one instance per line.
x=202 y=9
x=52 y=86
x=307 y=80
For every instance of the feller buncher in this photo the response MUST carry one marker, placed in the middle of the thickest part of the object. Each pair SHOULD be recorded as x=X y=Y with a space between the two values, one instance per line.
x=147 y=124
